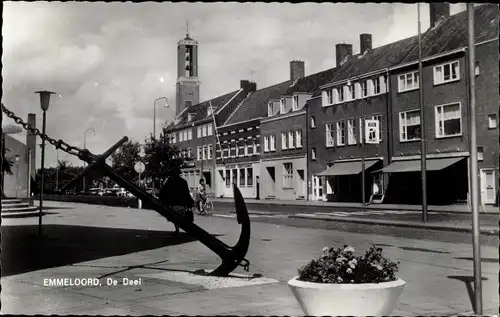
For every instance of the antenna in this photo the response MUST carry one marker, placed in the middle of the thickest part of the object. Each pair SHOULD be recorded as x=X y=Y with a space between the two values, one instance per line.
x=252 y=72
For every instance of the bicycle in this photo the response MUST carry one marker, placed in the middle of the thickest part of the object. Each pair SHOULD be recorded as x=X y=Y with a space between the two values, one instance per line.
x=206 y=209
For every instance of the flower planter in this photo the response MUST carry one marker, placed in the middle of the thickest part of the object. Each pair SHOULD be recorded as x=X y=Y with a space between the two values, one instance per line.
x=321 y=299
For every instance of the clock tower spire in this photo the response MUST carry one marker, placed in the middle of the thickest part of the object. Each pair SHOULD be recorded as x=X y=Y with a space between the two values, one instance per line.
x=188 y=84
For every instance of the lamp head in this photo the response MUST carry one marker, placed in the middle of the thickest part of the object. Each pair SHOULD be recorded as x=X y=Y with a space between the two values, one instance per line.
x=44 y=98
x=17 y=158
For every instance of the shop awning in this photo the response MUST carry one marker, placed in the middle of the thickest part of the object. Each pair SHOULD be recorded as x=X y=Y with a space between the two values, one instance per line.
x=414 y=165
x=347 y=168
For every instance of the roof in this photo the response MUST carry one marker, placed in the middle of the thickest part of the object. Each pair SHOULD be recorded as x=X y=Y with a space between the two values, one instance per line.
x=309 y=84
x=452 y=32
x=199 y=111
x=255 y=105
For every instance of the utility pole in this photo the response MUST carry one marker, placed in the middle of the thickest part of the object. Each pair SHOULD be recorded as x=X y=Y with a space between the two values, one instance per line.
x=423 y=167
x=478 y=301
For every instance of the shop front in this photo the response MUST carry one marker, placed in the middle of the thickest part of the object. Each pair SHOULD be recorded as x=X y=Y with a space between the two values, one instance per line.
x=244 y=175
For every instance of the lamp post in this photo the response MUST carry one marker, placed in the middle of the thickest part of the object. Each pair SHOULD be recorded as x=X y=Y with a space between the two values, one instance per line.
x=44 y=104
x=154 y=128
x=57 y=170
x=17 y=174
x=85 y=146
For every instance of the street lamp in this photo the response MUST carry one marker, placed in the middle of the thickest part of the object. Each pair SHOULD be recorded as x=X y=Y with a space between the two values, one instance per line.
x=17 y=173
x=85 y=146
x=57 y=170
x=154 y=127
x=44 y=104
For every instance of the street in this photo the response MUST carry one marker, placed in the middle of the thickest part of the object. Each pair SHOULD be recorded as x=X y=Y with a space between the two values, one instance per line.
x=98 y=241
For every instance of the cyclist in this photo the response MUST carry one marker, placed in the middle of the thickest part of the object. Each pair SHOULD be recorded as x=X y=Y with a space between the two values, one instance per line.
x=201 y=195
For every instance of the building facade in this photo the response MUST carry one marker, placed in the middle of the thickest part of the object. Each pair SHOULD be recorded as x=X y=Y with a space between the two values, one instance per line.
x=238 y=158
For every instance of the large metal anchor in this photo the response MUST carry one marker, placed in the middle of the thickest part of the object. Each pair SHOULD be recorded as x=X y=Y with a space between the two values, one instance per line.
x=232 y=257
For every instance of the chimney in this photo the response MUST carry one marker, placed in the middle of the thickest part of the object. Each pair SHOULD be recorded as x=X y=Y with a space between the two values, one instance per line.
x=438 y=12
x=297 y=70
x=342 y=51
x=248 y=86
x=365 y=43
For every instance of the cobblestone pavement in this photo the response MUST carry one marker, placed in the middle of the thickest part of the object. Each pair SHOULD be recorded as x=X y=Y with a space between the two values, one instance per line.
x=438 y=273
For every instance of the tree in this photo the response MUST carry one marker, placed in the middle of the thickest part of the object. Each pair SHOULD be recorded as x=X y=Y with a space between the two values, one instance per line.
x=7 y=164
x=125 y=158
x=161 y=157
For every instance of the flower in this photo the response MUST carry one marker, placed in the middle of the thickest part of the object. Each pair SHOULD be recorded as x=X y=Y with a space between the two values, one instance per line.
x=340 y=265
x=349 y=249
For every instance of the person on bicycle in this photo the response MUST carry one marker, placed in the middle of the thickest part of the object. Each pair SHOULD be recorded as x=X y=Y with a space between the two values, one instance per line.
x=202 y=195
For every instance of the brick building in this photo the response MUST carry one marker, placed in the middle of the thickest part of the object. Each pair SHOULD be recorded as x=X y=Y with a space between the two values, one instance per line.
x=238 y=157
x=382 y=84
x=193 y=132
x=283 y=136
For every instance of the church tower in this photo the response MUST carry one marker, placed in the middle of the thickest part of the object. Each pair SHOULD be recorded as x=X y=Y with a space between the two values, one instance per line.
x=188 y=84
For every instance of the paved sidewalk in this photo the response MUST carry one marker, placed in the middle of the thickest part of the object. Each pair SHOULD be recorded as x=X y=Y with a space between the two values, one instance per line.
x=448 y=208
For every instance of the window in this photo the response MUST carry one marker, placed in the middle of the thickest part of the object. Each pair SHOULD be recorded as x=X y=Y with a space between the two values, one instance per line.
x=350 y=93
x=351 y=132
x=476 y=69
x=361 y=130
x=173 y=138
x=270 y=109
x=228 y=178
x=284 y=141
x=371 y=87
x=249 y=148
x=329 y=134
x=291 y=140
x=209 y=127
x=340 y=133
x=409 y=125
x=198 y=155
x=364 y=89
x=272 y=143
x=408 y=81
x=446 y=73
x=181 y=136
x=287 y=175
x=204 y=131
x=205 y=152
x=313 y=153
x=327 y=97
x=357 y=90
x=185 y=135
x=480 y=153
x=234 y=176
x=242 y=177
x=282 y=105
x=209 y=152
x=254 y=145
x=190 y=134
x=298 y=138
x=249 y=176
x=295 y=103
x=241 y=148
x=340 y=94
x=198 y=134
x=379 y=119
x=266 y=143
x=313 y=122
x=492 y=121
x=376 y=86
x=190 y=153
x=448 y=120
x=234 y=150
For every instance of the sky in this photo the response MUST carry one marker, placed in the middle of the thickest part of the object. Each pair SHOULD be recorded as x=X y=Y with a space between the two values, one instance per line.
x=108 y=62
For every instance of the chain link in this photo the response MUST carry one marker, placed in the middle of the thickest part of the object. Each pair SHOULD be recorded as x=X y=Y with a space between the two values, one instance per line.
x=59 y=144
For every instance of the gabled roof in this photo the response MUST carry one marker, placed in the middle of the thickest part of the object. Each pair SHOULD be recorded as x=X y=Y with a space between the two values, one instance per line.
x=452 y=32
x=255 y=105
x=199 y=111
x=309 y=84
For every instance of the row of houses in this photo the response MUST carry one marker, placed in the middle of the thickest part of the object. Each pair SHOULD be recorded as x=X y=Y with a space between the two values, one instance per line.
x=302 y=138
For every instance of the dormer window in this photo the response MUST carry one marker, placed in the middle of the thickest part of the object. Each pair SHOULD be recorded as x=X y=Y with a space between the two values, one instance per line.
x=283 y=105
x=350 y=92
x=295 y=103
x=190 y=116
x=340 y=94
x=209 y=111
x=270 y=111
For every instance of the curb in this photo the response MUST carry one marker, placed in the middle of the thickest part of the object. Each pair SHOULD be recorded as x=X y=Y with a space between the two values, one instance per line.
x=371 y=207
x=400 y=224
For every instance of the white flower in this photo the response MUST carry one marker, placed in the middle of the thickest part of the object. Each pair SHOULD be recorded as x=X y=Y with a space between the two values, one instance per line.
x=325 y=250
x=339 y=279
x=349 y=270
x=352 y=266
x=349 y=249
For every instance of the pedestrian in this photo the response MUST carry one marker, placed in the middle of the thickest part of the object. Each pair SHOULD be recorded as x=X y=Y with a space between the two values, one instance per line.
x=175 y=193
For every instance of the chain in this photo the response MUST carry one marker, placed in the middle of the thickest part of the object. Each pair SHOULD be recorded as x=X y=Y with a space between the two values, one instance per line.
x=59 y=144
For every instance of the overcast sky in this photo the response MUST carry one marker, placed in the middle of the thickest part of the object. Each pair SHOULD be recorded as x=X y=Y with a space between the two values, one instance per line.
x=108 y=62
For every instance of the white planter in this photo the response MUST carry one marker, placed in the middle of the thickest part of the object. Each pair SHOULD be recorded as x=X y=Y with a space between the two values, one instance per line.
x=318 y=299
